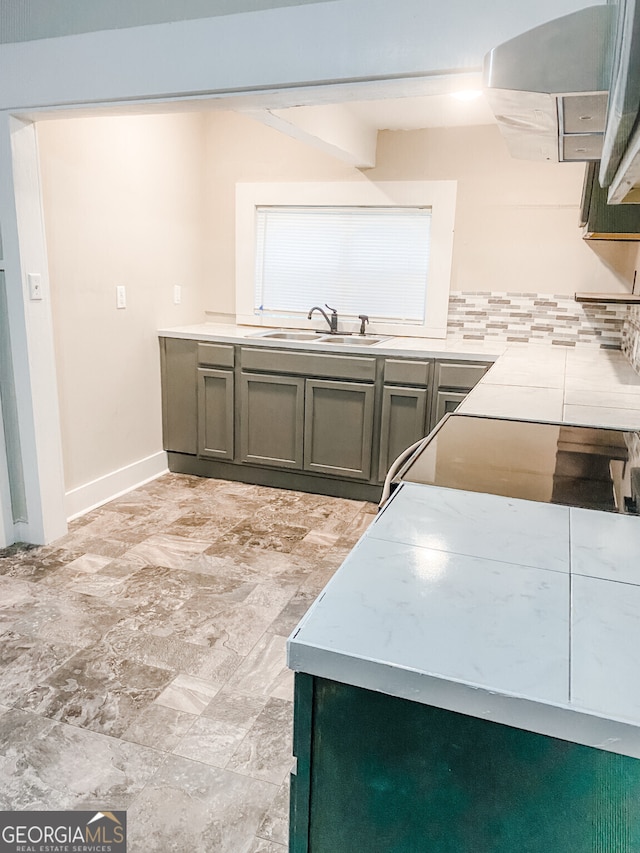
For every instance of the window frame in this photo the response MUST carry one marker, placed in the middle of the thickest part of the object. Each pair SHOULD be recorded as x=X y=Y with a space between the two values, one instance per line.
x=440 y=196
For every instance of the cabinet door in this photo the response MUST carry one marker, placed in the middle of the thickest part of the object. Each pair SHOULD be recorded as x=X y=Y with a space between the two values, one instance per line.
x=403 y=422
x=179 y=395
x=271 y=419
x=215 y=413
x=446 y=401
x=377 y=773
x=338 y=428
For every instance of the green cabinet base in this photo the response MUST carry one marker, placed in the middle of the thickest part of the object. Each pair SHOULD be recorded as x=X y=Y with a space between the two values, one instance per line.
x=184 y=463
x=387 y=775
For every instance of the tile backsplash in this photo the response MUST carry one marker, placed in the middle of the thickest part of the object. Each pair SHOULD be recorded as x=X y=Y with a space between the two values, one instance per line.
x=631 y=337
x=537 y=317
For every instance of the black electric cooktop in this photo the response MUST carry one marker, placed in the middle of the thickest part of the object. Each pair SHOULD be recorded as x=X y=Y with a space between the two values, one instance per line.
x=591 y=467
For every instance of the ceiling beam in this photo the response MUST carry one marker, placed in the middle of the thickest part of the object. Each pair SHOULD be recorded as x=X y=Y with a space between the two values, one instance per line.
x=334 y=129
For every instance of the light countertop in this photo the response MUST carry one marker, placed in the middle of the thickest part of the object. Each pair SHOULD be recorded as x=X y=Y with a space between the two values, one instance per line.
x=582 y=386
x=523 y=613
x=417 y=347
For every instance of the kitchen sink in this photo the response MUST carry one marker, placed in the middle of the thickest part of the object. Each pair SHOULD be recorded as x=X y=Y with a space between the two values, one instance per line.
x=283 y=335
x=318 y=337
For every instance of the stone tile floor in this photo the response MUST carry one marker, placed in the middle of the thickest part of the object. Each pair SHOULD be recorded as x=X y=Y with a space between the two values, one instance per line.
x=142 y=659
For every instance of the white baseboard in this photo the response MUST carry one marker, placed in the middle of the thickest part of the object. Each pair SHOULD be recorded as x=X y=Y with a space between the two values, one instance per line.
x=84 y=498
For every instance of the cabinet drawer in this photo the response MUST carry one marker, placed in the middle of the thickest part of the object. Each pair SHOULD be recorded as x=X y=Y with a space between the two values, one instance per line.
x=216 y=355
x=308 y=364
x=406 y=372
x=459 y=375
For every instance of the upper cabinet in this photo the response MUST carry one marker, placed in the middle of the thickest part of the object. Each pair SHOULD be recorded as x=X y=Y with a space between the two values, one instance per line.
x=603 y=221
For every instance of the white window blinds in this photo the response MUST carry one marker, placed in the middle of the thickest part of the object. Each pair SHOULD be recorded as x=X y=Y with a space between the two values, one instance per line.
x=359 y=260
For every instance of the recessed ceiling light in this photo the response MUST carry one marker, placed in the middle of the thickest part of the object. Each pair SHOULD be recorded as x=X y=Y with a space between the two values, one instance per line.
x=467 y=94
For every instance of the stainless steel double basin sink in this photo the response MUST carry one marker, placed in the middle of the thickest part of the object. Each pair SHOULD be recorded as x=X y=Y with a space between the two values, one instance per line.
x=318 y=337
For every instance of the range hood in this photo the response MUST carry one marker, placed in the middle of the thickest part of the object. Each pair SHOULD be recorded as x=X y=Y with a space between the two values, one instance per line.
x=549 y=87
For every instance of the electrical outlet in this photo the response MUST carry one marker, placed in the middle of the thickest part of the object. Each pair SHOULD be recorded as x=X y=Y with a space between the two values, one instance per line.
x=34 y=280
x=121 y=296
x=177 y=294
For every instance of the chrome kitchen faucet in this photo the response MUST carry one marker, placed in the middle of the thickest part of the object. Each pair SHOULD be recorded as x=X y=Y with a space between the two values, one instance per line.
x=332 y=321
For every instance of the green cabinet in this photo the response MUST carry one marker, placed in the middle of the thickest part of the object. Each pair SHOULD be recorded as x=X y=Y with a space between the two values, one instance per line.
x=405 y=407
x=271 y=420
x=453 y=381
x=403 y=422
x=178 y=362
x=387 y=775
x=331 y=422
x=602 y=221
x=215 y=407
x=338 y=428
x=445 y=402
x=215 y=413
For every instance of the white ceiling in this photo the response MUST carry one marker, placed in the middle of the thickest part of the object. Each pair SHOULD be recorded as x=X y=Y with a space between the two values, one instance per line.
x=442 y=110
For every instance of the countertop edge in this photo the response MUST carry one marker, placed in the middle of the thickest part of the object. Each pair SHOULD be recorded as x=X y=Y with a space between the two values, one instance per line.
x=566 y=723
x=435 y=348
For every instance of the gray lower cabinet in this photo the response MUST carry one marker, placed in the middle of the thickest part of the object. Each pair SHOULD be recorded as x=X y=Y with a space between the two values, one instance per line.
x=178 y=361
x=334 y=421
x=338 y=428
x=454 y=380
x=445 y=402
x=403 y=422
x=271 y=419
x=215 y=413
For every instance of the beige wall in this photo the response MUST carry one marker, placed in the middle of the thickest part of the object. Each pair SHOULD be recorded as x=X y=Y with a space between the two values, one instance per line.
x=149 y=202
x=124 y=205
x=240 y=149
x=516 y=221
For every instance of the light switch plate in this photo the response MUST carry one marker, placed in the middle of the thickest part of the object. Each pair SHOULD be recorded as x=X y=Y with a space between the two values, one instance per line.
x=177 y=294
x=34 y=280
x=121 y=296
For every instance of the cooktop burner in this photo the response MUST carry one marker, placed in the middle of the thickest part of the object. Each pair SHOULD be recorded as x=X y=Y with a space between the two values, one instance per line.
x=591 y=467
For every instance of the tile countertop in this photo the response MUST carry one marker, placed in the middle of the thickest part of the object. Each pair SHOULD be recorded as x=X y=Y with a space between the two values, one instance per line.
x=526 y=614
x=582 y=386
x=417 y=347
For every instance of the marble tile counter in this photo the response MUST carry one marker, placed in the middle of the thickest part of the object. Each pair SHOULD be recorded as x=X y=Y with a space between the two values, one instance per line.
x=586 y=386
x=527 y=614
x=417 y=347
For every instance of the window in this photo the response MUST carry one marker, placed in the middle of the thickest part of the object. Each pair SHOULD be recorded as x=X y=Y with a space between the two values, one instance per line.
x=378 y=249
x=359 y=258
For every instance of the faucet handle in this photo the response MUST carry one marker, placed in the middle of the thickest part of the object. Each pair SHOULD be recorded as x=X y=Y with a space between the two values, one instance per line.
x=333 y=310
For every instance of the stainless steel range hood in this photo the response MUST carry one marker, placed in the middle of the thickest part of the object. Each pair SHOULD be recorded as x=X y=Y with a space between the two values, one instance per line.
x=549 y=86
